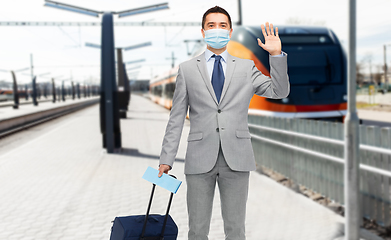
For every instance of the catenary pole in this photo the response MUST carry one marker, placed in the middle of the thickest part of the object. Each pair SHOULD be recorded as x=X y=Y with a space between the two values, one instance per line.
x=351 y=173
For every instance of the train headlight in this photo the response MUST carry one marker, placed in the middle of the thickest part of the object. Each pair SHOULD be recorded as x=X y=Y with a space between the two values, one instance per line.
x=345 y=97
x=285 y=100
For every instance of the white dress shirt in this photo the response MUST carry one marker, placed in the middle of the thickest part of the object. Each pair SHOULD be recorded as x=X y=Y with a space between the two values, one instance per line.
x=210 y=61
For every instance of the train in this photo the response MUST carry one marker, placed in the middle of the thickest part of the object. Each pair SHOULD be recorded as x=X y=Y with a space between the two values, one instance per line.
x=317 y=69
x=7 y=94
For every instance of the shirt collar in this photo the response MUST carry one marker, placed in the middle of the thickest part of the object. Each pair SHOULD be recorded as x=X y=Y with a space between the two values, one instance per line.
x=209 y=54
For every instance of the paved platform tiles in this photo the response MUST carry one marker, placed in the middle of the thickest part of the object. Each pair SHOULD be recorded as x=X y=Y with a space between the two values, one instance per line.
x=62 y=185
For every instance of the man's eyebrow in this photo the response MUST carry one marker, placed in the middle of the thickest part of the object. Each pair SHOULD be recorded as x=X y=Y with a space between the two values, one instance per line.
x=215 y=22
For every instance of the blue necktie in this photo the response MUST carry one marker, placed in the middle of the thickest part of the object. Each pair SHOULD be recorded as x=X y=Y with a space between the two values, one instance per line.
x=217 y=77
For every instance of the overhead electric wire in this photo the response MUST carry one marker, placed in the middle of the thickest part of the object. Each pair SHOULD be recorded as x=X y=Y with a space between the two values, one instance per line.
x=64 y=32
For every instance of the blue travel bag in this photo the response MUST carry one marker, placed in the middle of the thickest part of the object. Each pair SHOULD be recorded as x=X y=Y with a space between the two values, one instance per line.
x=145 y=227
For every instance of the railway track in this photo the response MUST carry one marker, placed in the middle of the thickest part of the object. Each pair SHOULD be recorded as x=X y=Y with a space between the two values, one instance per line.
x=19 y=123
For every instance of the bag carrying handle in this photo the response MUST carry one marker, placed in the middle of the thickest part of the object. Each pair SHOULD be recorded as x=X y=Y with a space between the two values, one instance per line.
x=149 y=208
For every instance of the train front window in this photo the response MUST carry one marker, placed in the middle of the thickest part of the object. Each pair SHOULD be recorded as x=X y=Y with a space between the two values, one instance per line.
x=300 y=39
x=314 y=65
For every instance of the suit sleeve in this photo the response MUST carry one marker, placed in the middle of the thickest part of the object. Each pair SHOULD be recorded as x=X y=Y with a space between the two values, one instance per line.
x=175 y=123
x=277 y=86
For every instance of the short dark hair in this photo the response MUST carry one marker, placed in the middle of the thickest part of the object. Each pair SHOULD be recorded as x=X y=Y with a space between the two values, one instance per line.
x=216 y=9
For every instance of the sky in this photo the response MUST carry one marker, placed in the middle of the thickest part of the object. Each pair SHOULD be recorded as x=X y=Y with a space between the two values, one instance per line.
x=61 y=51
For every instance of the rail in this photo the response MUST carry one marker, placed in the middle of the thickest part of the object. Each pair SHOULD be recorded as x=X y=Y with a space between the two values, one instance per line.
x=311 y=153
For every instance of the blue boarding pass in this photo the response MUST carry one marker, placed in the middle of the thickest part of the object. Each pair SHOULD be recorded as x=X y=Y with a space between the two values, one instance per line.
x=165 y=181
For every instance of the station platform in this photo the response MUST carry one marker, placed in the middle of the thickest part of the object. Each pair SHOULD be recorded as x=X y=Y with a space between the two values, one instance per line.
x=57 y=182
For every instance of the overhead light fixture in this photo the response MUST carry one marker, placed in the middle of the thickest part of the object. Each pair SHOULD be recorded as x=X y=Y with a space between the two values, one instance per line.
x=137 y=46
x=93 y=45
x=135 y=61
x=146 y=9
x=72 y=8
x=43 y=74
x=21 y=70
x=57 y=77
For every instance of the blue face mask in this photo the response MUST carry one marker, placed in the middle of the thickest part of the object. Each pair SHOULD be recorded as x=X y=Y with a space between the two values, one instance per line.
x=217 y=38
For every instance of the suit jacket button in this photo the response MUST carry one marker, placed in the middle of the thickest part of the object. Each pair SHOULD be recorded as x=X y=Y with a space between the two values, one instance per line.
x=219 y=111
x=217 y=129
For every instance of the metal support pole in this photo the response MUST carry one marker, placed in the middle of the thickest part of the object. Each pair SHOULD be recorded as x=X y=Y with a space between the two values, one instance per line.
x=385 y=67
x=35 y=92
x=32 y=66
x=108 y=76
x=38 y=90
x=240 y=21
x=370 y=71
x=63 y=91
x=121 y=71
x=45 y=90
x=15 y=90
x=127 y=88
x=351 y=176
x=26 y=91
x=73 y=91
x=53 y=91
x=32 y=74
x=78 y=90
x=173 y=60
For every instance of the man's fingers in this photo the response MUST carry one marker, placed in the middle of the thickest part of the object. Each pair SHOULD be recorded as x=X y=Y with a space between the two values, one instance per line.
x=163 y=169
x=160 y=172
x=277 y=31
x=271 y=29
x=260 y=43
x=263 y=30
x=267 y=28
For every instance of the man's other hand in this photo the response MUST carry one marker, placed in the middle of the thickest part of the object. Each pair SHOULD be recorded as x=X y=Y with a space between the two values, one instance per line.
x=163 y=169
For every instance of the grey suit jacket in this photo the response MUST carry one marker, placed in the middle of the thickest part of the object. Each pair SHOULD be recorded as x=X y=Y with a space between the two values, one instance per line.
x=225 y=121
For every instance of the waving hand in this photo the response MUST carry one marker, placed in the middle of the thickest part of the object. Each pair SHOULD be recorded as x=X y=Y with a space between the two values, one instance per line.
x=272 y=41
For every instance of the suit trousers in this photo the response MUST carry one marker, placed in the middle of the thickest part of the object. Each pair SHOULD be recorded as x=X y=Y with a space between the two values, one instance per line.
x=233 y=187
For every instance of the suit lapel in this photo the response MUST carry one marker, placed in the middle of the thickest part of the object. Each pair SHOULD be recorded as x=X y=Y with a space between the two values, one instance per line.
x=201 y=64
x=229 y=72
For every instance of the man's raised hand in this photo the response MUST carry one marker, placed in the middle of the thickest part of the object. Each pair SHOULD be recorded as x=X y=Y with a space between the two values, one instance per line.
x=272 y=40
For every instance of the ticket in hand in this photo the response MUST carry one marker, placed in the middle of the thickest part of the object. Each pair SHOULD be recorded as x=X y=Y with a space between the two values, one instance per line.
x=165 y=181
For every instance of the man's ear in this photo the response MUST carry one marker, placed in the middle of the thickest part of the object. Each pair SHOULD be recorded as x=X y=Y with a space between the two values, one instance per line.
x=202 y=32
x=230 y=32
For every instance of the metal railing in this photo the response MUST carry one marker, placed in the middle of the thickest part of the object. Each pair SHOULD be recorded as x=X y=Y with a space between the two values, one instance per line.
x=311 y=153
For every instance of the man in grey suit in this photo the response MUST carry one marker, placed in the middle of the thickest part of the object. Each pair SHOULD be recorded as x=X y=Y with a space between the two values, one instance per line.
x=219 y=144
